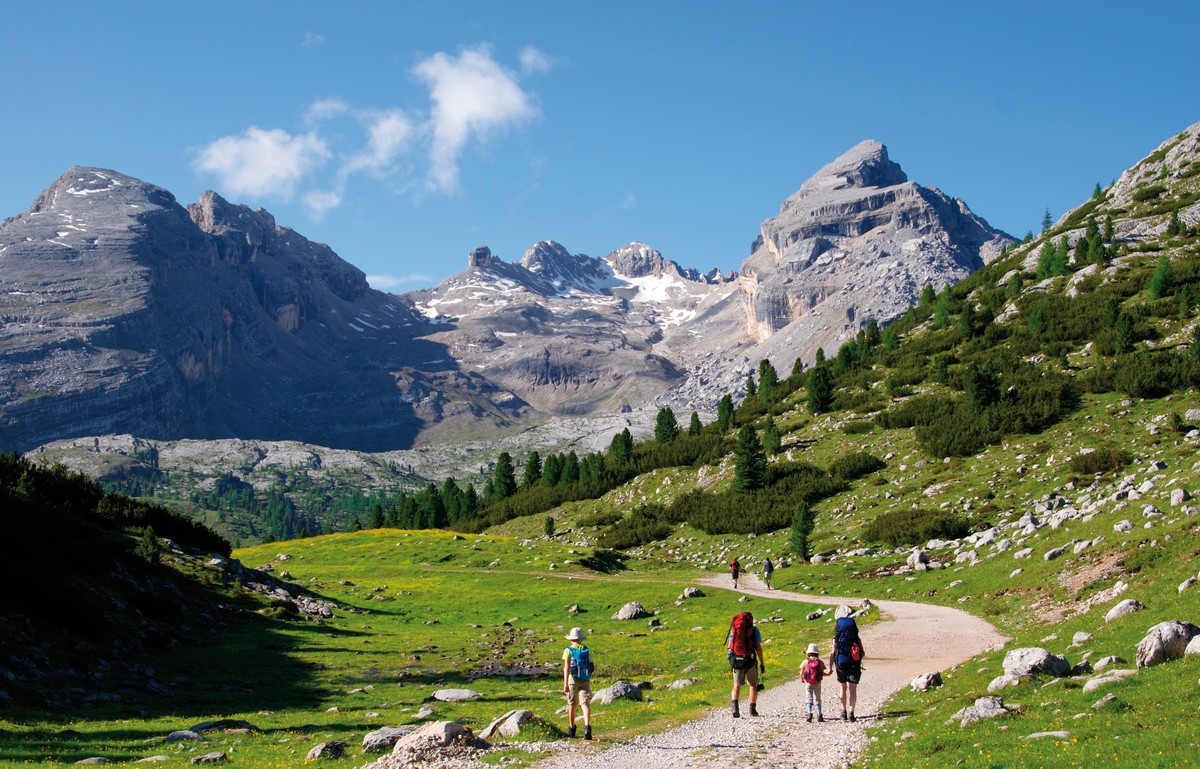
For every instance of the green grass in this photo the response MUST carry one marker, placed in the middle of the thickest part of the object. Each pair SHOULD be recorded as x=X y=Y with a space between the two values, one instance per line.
x=438 y=607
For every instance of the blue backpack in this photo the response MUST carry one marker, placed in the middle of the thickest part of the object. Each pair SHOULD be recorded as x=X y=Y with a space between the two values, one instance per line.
x=581 y=663
x=846 y=642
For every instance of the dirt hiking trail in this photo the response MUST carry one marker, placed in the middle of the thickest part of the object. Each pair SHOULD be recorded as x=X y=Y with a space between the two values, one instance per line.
x=912 y=639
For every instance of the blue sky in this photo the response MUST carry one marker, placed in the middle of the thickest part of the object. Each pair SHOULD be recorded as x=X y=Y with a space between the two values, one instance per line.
x=404 y=134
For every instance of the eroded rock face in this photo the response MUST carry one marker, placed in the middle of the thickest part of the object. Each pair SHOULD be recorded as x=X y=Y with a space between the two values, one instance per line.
x=126 y=313
x=857 y=242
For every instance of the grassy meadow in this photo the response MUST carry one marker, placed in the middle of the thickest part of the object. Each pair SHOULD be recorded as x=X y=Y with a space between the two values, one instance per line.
x=443 y=609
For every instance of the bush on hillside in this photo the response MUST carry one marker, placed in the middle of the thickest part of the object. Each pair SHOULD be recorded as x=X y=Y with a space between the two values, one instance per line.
x=899 y=528
x=1101 y=461
x=855 y=465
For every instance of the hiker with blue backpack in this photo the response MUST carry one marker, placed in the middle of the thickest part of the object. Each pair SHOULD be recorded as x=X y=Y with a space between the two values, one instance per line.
x=846 y=659
x=745 y=659
x=577 y=681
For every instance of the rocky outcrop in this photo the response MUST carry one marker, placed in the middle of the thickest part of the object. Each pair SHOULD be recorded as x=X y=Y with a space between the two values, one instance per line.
x=857 y=242
x=125 y=312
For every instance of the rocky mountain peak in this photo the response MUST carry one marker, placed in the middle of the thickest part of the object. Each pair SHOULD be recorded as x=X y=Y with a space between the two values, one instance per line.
x=637 y=260
x=866 y=164
x=481 y=256
x=546 y=254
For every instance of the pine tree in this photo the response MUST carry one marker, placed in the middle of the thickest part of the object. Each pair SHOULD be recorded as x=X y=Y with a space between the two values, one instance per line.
x=966 y=321
x=749 y=461
x=375 y=520
x=771 y=439
x=533 y=470
x=1047 y=222
x=803 y=523
x=548 y=526
x=751 y=388
x=694 y=426
x=504 y=477
x=820 y=357
x=768 y=382
x=941 y=310
x=355 y=524
x=552 y=470
x=820 y=389
x=570 y=473
x=147 y=548
x=725 y=412
x=1097 y=194
x=666 y=429
x=1123 y=334
x=1175 y=227
x=797 y=367
x=1160 y=281
x=874 y=335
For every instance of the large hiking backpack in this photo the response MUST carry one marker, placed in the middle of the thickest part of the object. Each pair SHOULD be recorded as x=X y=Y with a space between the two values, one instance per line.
x=741 y=641
x=845 y=638
x=581 y=664
x=812 y=672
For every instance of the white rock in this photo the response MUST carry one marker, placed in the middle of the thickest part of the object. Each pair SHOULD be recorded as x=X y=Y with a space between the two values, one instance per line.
x=1128 y=606
x=1166 y=641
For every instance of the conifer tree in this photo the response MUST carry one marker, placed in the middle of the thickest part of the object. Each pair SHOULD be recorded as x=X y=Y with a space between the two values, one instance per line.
x=694 y=426
x=548 y=526
x=1160 y=281
x=570 y=473
x=771 y=439
x=533 y=470
x=147 y=548
x=666 y=429
x=803 y=523
x=552 y=470
x=504 y=477
x=768 y=382
x=749 y=461
x=725 y=412
x=820 y=389
x=1047 y=222
x=751 y=388
x=375 y=519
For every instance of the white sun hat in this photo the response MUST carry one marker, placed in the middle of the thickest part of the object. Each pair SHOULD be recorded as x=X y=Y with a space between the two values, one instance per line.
x=814 y=649
x=576 y=634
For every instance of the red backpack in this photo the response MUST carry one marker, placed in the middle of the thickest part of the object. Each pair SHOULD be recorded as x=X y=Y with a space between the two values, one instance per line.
x=813 y=671
x=741 y=634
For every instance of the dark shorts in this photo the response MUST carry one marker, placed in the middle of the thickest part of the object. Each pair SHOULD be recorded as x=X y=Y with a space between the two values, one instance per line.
x=849 y=674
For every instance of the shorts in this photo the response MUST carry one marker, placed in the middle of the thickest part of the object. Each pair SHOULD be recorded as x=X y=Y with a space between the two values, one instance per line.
x=848 y=674
x=749 y=675
x=579 y=692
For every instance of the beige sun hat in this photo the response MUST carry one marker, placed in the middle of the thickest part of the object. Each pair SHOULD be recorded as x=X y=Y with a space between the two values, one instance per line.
x=814 y=649
x=576 y=634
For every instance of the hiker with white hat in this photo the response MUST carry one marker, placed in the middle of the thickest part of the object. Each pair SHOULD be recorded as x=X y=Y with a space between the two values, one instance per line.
x=811 y=673
x=577 y=681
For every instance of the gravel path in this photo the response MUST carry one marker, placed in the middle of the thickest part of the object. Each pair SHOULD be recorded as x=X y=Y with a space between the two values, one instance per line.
x=919 y=638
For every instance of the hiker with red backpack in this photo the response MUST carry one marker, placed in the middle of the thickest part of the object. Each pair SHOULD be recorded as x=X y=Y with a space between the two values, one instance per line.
x=745 y=659
x=735 y=568
x=846 y=659
x=811 y=673
x=577 y=681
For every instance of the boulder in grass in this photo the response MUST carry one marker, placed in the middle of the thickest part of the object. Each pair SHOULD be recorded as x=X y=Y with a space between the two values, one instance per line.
x=984 y=707
x=152 y=759
x=621 y=689
x=1166 y=641
x=210 y=758
x=455 y=695
x=631 y=610
x=926 y=681
x=93 y=760
x=1080 y=638
x=1187 y=584
x=224 y=723
x=1002 y=682
x=1128 y=606
x=382 y=740
x=682 y=683
x=184 y=735
x=1193 y=646
x=434 y=735
x=1028 y=661
x=693 y=592
x=509 y=724
x=331 y=749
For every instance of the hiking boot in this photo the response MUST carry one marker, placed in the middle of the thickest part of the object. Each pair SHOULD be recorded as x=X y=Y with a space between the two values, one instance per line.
x=571 y=730
x=820 y=719
x=843 y=715
x=753 y=709
x=852 y=718
x=736 y=714
x=810 y=718
x=587 y=732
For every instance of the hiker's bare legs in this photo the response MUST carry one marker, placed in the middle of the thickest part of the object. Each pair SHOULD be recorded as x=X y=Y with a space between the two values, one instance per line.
x=587 y=714
x=852 y=696
x=571 y=712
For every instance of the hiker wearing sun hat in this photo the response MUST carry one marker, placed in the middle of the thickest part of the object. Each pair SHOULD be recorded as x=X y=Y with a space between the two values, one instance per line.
x=577 y=681
x=811 y=673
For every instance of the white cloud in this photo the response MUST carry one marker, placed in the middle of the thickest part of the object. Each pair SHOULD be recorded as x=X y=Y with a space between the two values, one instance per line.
x=472 y=97
x=313 y=40
x=388 y=134
x=628 y=201
x=262 y=163
x=324 y=109
x=321 y=202
x=384 y=282
x=533 y=61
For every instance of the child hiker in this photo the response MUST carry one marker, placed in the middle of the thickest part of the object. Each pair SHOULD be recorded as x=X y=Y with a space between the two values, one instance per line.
x=811 y=673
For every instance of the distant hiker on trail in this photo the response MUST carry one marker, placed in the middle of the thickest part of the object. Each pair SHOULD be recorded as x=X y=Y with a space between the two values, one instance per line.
x=811 y=673
x=767 y=570
x=846 y=659
x=745 y=659
x=735 y=568
x=577 y=681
